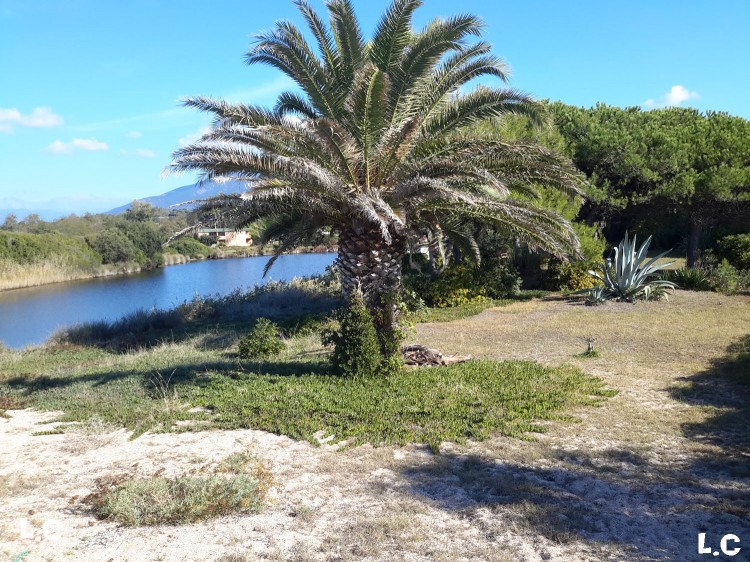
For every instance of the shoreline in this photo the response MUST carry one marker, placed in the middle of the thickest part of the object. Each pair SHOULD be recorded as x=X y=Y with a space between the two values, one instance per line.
x=170 y=260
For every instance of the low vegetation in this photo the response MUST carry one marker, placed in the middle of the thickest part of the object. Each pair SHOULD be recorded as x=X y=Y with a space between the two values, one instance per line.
x=237 y=485
x=185 y=360
x=298 y=306
x=262 y=342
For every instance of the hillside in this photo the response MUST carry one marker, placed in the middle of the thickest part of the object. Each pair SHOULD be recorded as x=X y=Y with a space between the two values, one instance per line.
x=186 y=193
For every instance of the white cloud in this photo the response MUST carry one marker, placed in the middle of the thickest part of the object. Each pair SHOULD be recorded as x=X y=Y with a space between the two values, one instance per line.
x=262 y=93
x=134 y=134
x=673 y=98
x=194 y=136
x=39 y=118
x=91 y=145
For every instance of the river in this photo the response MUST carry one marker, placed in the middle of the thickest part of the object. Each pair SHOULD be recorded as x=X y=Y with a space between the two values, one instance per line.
x=30 y=316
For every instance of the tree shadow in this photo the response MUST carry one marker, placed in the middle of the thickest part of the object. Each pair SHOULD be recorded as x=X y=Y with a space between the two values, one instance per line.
x=192 y=373
x=724 y=389
x=611 y=498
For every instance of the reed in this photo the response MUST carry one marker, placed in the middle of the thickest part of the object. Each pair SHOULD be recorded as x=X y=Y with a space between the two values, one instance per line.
x=53 y=269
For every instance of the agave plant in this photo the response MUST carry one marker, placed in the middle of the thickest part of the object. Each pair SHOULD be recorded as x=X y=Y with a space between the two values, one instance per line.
x=595 y=295
x=631 y=278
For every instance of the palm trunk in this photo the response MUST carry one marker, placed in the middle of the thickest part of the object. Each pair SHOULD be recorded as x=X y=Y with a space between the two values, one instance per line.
x=696 y=228
x=371 y=266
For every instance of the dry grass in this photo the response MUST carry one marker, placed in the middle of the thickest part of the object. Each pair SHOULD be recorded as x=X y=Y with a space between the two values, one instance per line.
x=55 y=269
x=643 y=348
x=52 y=270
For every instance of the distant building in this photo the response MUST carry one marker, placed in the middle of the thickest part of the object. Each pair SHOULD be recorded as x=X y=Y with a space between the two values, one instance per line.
x=225 y=236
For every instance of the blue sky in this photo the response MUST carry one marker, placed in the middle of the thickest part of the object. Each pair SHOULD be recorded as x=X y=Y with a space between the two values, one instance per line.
x=89 y=110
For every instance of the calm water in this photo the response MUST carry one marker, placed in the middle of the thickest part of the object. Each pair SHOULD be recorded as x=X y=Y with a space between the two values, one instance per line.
x=29 y=316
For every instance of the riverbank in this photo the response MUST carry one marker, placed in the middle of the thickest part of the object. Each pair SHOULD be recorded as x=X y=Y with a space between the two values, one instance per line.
x=60 y=270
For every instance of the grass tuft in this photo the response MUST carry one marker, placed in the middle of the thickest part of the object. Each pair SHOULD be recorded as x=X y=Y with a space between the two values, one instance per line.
x=240 y=484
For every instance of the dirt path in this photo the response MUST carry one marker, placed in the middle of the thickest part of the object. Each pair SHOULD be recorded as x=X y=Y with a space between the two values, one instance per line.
x=637 y=479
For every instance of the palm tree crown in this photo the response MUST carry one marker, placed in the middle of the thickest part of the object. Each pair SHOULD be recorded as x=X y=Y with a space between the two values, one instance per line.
x=376 y=144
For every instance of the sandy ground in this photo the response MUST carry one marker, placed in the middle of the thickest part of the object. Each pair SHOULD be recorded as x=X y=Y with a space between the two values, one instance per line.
x=626 y=483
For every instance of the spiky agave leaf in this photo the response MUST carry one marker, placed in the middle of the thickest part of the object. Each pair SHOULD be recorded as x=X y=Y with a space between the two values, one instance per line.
x=632 y=271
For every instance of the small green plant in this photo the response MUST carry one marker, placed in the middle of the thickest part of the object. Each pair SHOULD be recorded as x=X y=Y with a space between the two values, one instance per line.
x=691 y=279
x=728 y=279
x=21 y=556
x=239 y=484
x=356 y=350
x=262 y=342
x=736 y=250
x=590 y=351
x=630 y=279
x=595 y=295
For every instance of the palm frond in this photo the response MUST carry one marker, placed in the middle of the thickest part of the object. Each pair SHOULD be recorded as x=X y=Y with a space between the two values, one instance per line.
x=286 y=49
x=392 y=34
x=367 y=104
x=425 y=50
x=348 y=38
x=293 y=103
x=326 y=44
x=479 y=105
x=431 y=92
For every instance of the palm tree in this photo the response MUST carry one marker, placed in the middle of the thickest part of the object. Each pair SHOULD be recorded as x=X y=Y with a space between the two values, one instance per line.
x=376 y=144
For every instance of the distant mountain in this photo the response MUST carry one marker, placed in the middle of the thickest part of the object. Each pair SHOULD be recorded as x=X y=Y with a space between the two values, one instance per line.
x=187 y=193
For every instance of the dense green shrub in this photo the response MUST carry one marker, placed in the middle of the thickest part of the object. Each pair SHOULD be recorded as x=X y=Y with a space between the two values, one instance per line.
x=571 y=276
x=464 y=283
x=728 y=279
x=25 y=249
x=356 y=351
x=190 y=247
x=736 y=250
x=115 y=247
x=262 y=342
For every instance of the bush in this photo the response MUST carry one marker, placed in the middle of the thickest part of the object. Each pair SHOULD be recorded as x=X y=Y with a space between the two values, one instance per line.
x=262 y=342
x=464 y=284
x=28 y=249
x=115 y=247
x=356 y=350
x=693 y=279
x=728 y=279
x=571 y=276
x=190 y=247
x=736 y=250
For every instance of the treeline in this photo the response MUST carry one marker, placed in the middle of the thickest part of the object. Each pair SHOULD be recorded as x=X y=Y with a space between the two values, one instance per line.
x=34 y=252
x=678 y=174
